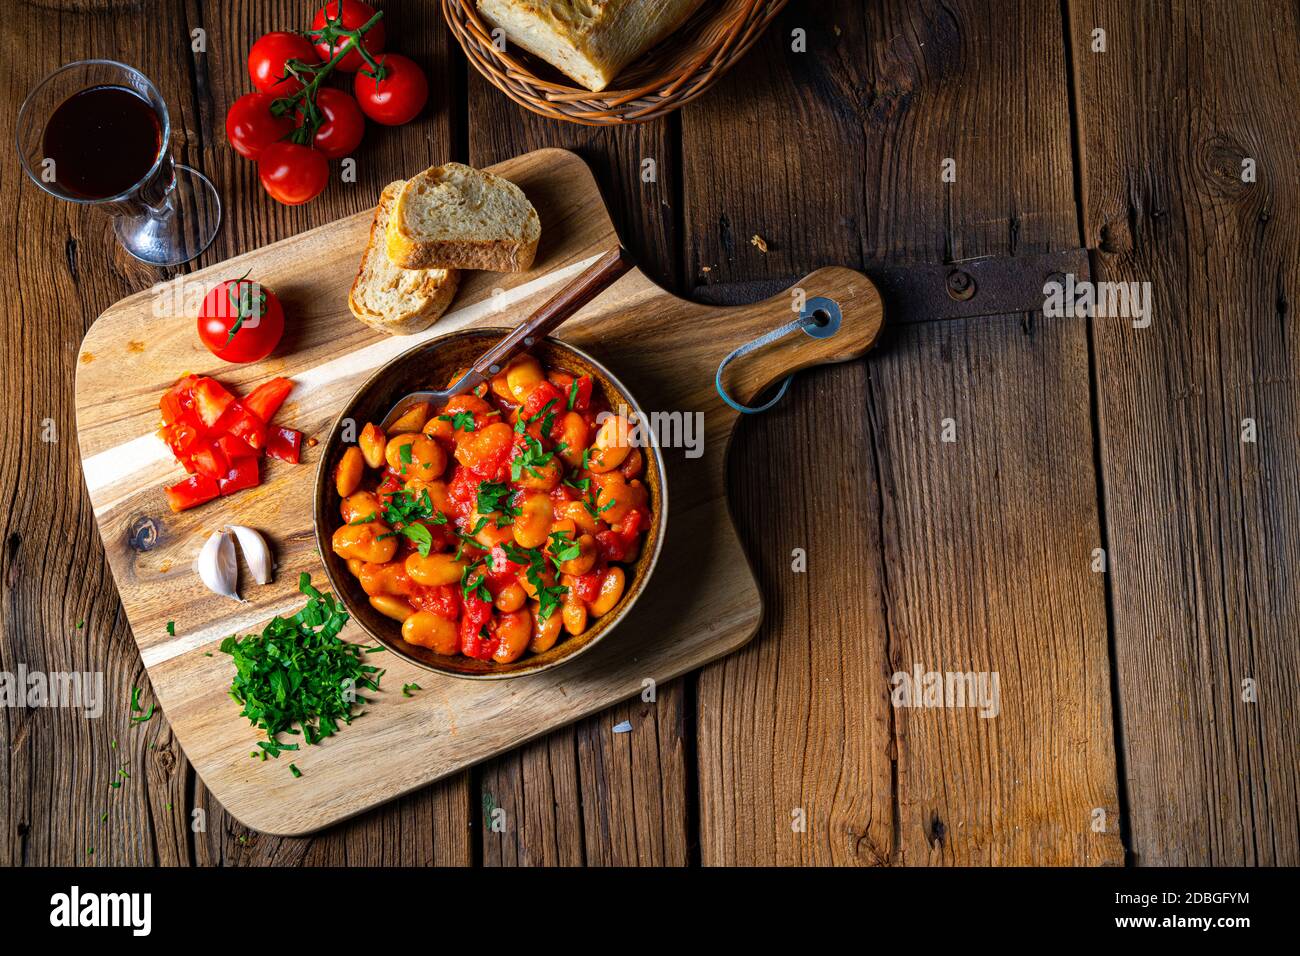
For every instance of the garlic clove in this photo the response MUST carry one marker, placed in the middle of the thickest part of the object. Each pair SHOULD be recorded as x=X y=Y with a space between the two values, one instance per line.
x=216 y=565
x=256 y=553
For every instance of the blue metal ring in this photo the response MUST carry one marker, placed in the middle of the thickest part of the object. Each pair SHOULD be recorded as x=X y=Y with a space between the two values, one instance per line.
x=808 y=321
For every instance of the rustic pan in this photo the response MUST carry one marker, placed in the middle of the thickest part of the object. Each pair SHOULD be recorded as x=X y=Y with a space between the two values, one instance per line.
x=432 y=365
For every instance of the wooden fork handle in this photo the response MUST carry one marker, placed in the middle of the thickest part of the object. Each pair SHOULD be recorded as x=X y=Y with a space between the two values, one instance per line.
x=595 y=279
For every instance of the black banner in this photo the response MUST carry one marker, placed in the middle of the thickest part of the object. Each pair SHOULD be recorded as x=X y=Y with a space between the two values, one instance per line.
x=255 y=906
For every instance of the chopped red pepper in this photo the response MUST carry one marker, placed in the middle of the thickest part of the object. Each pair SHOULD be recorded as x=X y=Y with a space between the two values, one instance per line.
x=462 y=492
x=441 y=599
x=211 y=461
x=182 y=434
x=265 y=400
x=477 y=629
x=219 y=439
x=246 y=426
x=191 y=491
x=210 y=400
x=241 y=474
x=390 y=486
x=543 y=393
x=499 y=567
x=587 y=586
x=617 y=545
x=284 y=443
x=236 y=447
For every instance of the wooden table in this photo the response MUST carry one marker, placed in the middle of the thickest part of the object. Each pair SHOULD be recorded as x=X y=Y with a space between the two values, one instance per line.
x=1123 y=735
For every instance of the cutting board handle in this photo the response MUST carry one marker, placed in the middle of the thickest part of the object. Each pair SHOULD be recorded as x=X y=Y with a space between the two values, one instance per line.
x=861 y=315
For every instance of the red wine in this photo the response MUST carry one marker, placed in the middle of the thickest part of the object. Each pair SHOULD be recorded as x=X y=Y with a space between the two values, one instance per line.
x=103 y=141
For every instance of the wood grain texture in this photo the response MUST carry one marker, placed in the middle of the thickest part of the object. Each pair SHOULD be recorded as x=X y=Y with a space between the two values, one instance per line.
x=570 y=778
x=251 y=221
x=682 y=619
x=1202 y=525
x=829 y=158
x=68 y=257
x=964 y=556
x=62 y=264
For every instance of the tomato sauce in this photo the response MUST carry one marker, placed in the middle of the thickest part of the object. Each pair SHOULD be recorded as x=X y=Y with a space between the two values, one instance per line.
x=494 y=526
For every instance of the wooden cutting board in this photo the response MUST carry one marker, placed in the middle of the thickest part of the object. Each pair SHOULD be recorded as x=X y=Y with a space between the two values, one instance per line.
x=702 y=602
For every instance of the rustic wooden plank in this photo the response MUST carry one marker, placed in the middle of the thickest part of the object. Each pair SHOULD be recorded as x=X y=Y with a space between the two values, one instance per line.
x=67 y=256
x=63 y=266
x=431 y=825
x=530 y=810
x=1202 y=525
x=574 y=797
x=964 y=556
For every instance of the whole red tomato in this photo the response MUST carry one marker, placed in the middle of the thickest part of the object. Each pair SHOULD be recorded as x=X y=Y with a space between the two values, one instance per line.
x=398 y=97
x=241 y=321
x=343 y=127
x=292 y=174
x=354 y=14
x=251 y=126
x=268 y=58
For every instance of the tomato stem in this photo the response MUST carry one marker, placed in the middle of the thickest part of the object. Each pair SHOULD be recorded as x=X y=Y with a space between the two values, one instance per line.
x=334 y=30
x=308 y=93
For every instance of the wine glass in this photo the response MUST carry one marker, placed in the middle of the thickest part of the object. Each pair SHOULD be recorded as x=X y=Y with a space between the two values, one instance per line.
x=97 y=132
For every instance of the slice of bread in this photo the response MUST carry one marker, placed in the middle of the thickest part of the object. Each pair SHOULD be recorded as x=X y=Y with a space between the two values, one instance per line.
x=390 y=299
x=590 y=40
x=457 y=217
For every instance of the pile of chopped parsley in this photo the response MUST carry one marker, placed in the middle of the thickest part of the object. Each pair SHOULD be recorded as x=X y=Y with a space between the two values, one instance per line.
x=298 y=677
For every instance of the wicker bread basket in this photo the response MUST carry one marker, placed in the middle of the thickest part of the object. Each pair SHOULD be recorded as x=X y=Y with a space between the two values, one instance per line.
x=670 y=75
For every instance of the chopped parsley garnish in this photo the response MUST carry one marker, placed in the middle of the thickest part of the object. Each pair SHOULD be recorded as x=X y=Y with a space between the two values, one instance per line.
x=404 y=512
x=136 y=709
x=549 y=421
x=593 y=506
x=460 y=422
x=530 y=459
x=404 y=453
x=171 y=628
x=299 y=672
x=471 y=586
x=563 y=548
x=549 y=597
x=421 y=536
x=495 y=496
x=467 y=537
x=544 y=413
x=293 y=769
x=365 y=520
x=573 y=396
x=407 y=688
